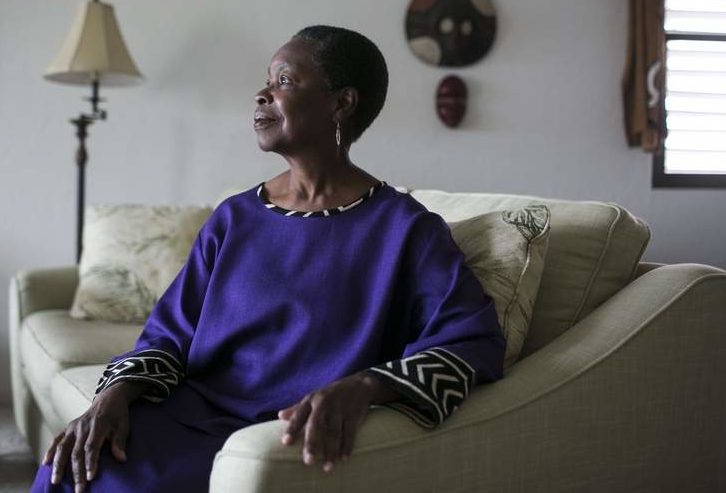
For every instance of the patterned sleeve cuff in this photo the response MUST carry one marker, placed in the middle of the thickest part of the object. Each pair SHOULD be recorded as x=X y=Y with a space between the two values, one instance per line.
x=432 y=383
x=158 y=368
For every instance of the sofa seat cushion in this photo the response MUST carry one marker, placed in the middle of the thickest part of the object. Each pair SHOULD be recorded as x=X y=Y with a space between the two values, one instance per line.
x=72 y=390
x=593 y=252
x=51 y=341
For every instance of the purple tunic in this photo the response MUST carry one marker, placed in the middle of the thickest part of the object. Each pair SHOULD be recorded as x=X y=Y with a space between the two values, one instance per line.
x=273 y=304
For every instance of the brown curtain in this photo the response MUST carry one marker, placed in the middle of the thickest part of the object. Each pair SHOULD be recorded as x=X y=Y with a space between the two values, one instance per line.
x=644 y=78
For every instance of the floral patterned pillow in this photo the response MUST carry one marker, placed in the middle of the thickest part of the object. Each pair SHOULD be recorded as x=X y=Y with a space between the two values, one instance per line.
x=505 y=250
x=131 y=253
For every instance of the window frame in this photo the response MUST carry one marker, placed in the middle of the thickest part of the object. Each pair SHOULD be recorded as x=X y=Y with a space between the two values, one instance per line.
x=661 y=179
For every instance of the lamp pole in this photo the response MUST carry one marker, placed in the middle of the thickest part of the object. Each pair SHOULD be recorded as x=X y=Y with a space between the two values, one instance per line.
x=81 y=123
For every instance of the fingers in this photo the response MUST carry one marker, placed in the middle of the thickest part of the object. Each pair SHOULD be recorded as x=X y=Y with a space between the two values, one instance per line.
x=78 y=461
x=92 y=449
x=322 y=437
x=287 y=412
x=332 y=439
x=50 y=453
x=62 y=454
x=347 y=439
x=83 y=439
x=312 y=445
x=78 y=466
x=297 y=421
x=328 y=419
x=118 y=443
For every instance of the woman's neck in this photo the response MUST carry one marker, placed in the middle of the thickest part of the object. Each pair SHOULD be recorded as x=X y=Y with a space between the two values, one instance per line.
x=313 y=177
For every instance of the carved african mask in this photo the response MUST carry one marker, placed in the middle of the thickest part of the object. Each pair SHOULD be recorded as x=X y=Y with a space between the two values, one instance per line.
x=450 y=33
x=451 y=98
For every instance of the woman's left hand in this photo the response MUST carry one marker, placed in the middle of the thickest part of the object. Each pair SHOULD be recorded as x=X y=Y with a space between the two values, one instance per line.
x=329 y=418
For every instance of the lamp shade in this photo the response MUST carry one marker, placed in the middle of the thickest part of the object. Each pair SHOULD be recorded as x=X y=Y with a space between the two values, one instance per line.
x=94 y=50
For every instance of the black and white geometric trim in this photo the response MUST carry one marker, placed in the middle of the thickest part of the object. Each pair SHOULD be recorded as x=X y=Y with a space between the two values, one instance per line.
x=433 y=384
x=153 y=366
x=322 y=213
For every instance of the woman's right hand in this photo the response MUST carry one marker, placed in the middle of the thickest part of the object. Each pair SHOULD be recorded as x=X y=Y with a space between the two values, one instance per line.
x=81 y=441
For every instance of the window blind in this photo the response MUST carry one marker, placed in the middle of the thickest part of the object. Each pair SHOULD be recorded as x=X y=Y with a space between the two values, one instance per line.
x=695 y=96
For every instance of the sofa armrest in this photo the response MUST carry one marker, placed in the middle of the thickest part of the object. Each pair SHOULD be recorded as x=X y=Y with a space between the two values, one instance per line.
x=43 y=289
x=31 y=291
x=633 y=397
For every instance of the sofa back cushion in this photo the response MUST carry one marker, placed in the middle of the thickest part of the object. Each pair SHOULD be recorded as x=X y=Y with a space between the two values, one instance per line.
x=131 y=253
x=594 y=249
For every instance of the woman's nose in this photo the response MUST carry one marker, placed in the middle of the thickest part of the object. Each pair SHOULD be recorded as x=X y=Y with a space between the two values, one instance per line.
x=263 y=97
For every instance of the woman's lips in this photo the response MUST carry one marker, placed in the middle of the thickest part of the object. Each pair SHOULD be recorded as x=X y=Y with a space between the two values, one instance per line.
x=263 y=122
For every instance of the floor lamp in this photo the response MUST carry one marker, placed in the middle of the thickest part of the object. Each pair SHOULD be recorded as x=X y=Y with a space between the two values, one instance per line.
x=93 y=53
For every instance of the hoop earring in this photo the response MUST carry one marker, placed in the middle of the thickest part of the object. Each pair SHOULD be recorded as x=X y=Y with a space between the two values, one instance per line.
x=337 y=133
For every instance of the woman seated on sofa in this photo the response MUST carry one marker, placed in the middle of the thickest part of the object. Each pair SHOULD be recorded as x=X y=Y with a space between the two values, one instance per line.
x=307 y=298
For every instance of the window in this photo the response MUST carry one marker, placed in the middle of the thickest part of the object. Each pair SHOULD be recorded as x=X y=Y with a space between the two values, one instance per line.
x=694 y=153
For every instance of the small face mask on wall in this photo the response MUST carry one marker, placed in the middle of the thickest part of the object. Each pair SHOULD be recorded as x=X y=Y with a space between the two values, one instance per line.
x=451 y=98
x=450 y=33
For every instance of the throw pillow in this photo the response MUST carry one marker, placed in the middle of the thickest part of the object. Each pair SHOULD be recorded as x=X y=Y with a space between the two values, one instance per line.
x=506 y=250
x=593 y=252
x=131 y=253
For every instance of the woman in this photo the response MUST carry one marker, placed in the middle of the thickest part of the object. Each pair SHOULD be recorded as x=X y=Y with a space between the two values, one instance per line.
x=308 y=298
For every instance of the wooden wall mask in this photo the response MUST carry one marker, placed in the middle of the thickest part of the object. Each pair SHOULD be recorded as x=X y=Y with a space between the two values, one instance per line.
x=451 y=98
x=450 y=33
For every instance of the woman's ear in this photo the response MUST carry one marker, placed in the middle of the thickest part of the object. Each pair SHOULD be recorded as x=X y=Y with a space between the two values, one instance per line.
x=347 y=103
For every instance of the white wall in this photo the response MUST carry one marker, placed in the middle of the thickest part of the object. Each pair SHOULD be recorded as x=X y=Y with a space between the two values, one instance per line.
x=544 y=118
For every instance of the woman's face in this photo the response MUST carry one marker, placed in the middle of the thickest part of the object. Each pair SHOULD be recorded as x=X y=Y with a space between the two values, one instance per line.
x=295 y=111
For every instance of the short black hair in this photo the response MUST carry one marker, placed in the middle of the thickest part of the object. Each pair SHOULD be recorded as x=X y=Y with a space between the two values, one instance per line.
x=349 y=59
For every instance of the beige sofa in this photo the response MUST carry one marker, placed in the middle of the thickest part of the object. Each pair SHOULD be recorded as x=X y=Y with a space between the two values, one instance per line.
x=622 y=386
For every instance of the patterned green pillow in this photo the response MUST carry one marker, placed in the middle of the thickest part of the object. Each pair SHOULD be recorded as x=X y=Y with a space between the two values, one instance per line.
x=131 y=253
x=506 y=251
